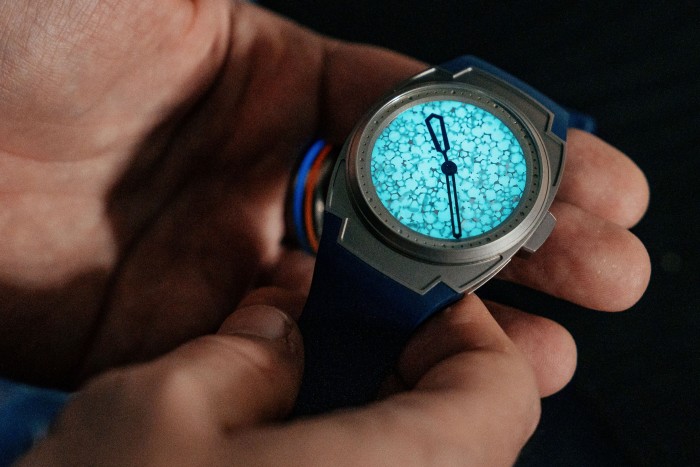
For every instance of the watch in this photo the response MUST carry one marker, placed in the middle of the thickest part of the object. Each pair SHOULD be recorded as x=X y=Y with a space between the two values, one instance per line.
x=434 y=191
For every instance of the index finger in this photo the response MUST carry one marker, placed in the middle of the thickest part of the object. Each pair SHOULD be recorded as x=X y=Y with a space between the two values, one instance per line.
x=355 y=76
x=602 y=180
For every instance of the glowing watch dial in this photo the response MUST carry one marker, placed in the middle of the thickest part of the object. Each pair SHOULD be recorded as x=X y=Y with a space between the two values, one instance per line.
x=448 y=169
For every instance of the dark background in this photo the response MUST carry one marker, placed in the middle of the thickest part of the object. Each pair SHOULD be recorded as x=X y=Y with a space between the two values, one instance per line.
x=634 y=66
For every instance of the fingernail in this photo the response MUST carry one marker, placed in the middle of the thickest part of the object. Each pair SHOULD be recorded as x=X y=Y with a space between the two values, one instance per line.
x=260 y=321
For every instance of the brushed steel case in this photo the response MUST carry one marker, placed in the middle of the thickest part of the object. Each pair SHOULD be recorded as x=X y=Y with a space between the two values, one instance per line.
x=420 y=262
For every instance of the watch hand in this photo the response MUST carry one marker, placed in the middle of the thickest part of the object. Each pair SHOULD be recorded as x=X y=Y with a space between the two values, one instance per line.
x=448 y=168
x=434 y=137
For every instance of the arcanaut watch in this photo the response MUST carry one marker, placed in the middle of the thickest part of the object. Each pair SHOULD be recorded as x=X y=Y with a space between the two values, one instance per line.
x=435 y=190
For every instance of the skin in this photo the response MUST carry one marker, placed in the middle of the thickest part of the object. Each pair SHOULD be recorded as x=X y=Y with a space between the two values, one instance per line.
x=144 y=156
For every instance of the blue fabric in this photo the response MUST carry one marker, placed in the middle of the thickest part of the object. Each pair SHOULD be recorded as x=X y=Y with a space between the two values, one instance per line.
x=25 y=415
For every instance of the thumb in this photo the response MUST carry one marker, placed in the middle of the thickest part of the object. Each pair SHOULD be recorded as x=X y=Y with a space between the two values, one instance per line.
x=175 y=409
x=248 y=372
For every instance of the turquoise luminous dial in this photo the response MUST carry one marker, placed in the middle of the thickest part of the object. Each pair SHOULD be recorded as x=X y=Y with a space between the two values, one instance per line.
x=448 y=169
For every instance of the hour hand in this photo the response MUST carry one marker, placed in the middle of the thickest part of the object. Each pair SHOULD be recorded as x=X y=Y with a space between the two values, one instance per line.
x=442 y=144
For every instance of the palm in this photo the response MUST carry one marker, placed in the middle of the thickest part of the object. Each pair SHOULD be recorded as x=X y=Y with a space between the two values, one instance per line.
x=141 y=200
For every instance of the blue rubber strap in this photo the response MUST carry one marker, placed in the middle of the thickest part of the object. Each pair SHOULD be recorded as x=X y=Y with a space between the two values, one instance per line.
x=355 y=324
x=563 y=119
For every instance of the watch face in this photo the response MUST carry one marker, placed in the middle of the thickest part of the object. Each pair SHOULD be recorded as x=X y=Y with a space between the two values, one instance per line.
x=448 y=168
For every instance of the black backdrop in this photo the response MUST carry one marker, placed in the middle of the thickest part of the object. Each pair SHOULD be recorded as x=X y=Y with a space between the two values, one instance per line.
x=634 y=66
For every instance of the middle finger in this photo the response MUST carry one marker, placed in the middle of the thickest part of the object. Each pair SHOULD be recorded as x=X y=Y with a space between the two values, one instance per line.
x=602 y=180
x=587 y=260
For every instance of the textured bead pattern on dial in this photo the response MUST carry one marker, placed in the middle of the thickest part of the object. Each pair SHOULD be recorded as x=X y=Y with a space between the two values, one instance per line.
x=407 y=172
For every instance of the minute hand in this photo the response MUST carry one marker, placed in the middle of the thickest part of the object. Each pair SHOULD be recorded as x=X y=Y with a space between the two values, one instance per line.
x=448 y=168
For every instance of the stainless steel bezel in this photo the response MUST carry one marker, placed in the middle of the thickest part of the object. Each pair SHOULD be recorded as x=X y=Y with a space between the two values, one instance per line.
x=376 y=217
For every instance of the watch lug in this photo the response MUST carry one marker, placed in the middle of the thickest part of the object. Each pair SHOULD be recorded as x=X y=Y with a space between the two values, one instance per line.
x=538 y=237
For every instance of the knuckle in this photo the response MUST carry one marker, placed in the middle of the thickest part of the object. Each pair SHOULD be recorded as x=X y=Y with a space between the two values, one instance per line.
x=252 y=357
x=176 y=396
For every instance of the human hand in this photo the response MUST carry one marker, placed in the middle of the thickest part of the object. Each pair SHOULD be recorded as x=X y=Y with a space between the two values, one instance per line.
x=221 y=399
x=144 y=158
